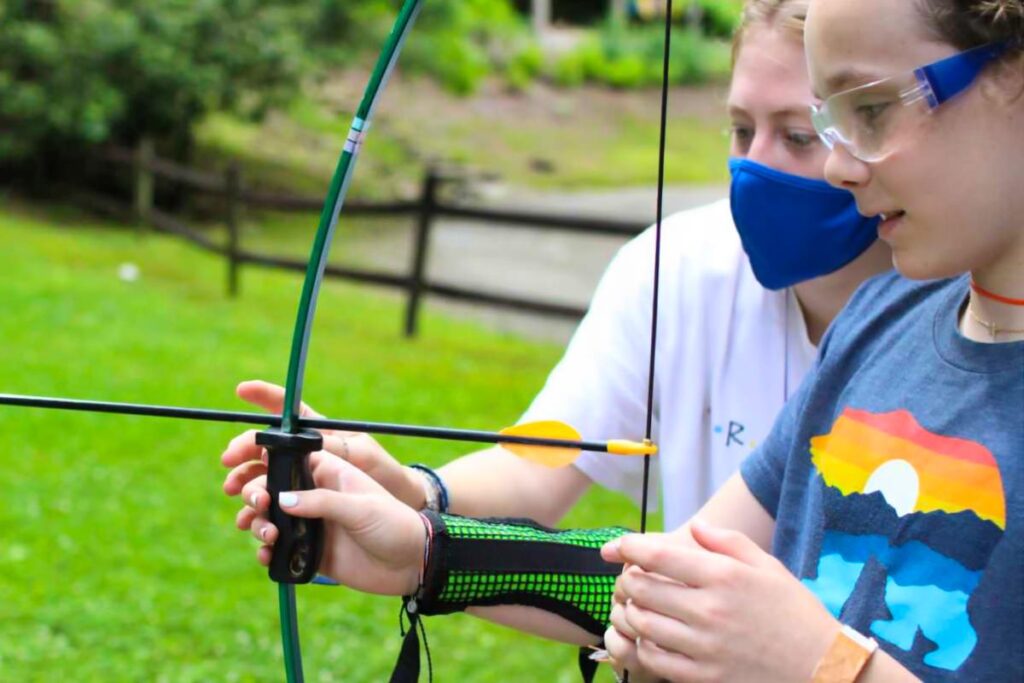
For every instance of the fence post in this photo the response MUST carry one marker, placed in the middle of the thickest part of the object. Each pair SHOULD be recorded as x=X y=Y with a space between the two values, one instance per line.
x=428 y=204
x=144 y=183
x=233 y=202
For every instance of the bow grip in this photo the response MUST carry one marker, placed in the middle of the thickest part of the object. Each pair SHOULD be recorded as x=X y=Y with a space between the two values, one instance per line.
x=300 y=542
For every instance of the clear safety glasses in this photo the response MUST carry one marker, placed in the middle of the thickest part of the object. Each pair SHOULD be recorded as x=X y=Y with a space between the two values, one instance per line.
x=871 y=120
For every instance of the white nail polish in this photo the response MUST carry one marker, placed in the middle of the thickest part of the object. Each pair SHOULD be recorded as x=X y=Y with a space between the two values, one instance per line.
x=288 y=499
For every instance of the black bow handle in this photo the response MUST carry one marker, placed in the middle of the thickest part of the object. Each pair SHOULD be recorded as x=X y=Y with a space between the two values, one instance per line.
x=300 y=542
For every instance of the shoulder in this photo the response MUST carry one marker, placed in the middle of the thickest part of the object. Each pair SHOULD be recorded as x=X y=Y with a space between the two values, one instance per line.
x=884 y=293
x=695 y=243
x=887 y=304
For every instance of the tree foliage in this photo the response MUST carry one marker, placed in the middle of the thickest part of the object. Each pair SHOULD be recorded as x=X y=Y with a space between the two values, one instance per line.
x=80 y=72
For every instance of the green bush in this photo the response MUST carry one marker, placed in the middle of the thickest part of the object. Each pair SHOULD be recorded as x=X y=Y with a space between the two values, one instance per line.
x=461 y=42
x=719 y=18
x=569 y=71
x=530 y=59
x=75 y=73
x=460 y=65
x=632 y=56
x=524 y=67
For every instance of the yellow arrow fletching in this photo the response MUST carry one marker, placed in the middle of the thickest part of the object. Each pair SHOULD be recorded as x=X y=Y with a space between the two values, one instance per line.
x=551 y=456
x=557 y=456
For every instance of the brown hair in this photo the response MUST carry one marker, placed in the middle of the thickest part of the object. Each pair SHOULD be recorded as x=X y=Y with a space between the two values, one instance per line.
x=787 y=15
x=969 y=23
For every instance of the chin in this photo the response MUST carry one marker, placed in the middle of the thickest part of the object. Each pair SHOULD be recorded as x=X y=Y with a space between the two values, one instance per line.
x=924 y=267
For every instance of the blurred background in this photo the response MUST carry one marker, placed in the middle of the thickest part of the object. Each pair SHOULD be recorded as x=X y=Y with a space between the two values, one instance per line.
x=161 y=169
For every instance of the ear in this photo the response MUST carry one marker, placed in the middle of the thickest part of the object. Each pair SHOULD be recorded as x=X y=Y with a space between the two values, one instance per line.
x=1004 y=83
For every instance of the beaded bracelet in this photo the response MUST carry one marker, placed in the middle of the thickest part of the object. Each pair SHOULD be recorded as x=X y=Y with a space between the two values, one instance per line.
x=436 y=493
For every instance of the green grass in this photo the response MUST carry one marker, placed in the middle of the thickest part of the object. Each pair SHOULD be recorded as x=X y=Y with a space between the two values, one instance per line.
x=119 y=559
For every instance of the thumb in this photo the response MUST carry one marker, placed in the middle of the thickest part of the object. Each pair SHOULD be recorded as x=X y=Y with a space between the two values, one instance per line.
x=726 y=542
x=354 y=502
x=352 y=511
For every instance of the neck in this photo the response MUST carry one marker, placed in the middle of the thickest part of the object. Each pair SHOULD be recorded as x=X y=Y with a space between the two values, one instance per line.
x=989 y=320
x=822 y=298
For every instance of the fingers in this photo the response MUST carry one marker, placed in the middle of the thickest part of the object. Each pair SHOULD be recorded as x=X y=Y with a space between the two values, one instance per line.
x=642 y=655
x=621 y=649
x=669 y=665
x=239 y=477
x=242 y=449
x=660 y=594
x=255 y=495
x=269 y=396
x=667 y=633
x=620 y=622
x=245 y=517
x=263 y=531
x=666 y=556
x=727 y=542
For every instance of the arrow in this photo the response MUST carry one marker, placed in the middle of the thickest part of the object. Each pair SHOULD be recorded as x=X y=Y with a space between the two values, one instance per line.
x=550 y=443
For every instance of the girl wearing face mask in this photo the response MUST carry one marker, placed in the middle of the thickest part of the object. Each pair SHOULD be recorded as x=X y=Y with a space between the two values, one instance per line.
x=737 y=333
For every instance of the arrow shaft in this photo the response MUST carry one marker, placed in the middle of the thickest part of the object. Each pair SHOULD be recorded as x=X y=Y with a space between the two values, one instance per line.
x=268 y=420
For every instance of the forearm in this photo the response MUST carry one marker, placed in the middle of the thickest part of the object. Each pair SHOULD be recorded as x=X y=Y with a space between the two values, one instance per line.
x=882 y=668
x=495 y=483
x=543 y=581
x=537 y=622
x=734 y=507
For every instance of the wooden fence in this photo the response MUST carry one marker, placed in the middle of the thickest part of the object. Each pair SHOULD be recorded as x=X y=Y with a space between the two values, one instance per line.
x=146 y=168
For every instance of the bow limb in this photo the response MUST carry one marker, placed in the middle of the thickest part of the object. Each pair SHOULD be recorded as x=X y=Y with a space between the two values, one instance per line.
x=298 y=556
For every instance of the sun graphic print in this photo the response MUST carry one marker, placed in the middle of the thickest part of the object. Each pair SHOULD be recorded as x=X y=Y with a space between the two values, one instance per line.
x=901 y=499
x=913 y=469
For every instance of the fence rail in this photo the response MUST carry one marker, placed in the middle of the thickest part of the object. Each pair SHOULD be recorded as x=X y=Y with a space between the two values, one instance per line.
x=146 y=168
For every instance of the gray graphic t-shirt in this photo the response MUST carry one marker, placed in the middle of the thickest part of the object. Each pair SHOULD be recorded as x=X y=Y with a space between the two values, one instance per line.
x=895 y=476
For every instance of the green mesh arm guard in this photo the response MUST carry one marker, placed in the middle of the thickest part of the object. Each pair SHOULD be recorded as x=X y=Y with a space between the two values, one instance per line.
x=486 y=562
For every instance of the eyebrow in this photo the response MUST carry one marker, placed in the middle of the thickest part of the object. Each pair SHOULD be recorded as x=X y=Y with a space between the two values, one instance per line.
x=779 y=114
x=844 y=80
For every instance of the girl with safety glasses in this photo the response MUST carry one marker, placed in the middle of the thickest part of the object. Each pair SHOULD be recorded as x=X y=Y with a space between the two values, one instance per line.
x=891 y=484
x=878 y=533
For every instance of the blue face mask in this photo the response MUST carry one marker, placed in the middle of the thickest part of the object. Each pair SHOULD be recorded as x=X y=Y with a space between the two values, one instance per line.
x=794 y=228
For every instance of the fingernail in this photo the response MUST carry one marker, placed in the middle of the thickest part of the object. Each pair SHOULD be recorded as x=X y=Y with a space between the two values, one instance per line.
x=254 y=499
x=288 y=499
x=263 y=534
x=612 y=545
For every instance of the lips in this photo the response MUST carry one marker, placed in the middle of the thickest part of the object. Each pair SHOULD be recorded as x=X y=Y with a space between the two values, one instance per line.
x=890 y=220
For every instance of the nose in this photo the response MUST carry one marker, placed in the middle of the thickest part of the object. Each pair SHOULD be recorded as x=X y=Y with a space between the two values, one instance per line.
x=843 y=170
x=764 y=151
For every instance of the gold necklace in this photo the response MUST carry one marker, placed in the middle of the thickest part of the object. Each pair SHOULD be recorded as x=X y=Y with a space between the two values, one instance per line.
x=993 y=329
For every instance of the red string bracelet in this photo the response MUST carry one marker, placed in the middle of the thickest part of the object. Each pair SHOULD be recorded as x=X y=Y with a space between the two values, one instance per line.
x=428 y=529
x=995 y=297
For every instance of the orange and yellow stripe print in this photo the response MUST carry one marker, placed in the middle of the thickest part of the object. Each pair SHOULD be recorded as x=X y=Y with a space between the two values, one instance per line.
x=954 y=474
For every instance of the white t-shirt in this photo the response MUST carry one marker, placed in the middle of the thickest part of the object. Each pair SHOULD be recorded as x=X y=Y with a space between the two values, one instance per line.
x=729 y=352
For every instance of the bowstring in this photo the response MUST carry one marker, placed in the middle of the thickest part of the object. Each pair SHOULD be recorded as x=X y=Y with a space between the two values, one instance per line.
x=663 y=127
x=662 y=134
